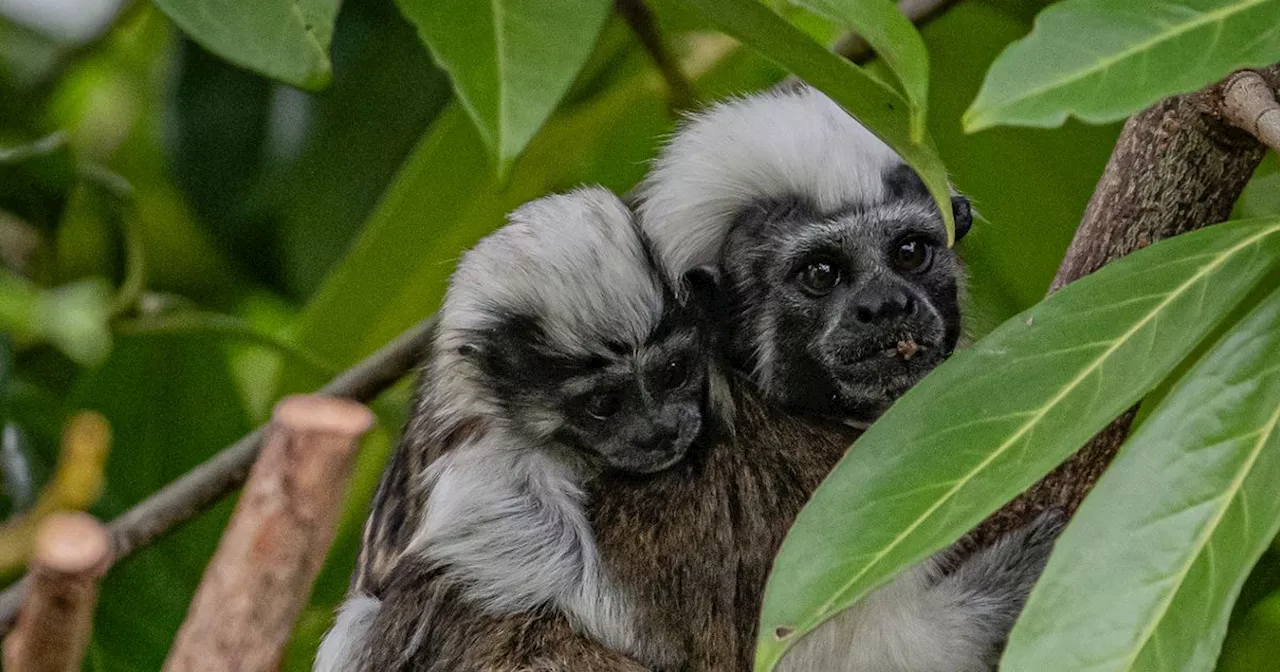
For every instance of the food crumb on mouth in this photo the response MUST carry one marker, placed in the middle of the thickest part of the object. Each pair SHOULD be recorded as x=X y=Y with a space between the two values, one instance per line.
x=907 y=349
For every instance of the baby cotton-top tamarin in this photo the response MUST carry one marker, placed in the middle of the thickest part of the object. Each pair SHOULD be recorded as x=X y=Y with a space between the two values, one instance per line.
x=559 y=355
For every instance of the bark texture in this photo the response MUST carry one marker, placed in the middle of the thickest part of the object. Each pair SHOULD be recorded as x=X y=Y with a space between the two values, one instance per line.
x=1178 y=166
x=260 y=577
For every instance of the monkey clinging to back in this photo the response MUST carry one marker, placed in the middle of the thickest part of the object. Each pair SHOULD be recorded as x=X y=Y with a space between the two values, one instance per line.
x=559 y=356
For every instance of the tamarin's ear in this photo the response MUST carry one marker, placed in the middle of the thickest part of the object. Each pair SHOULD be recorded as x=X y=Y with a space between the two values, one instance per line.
x=703 y=284
x=962 y=211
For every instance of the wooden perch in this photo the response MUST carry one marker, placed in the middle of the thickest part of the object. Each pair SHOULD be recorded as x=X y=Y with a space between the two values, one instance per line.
x=1249 y=104
x=199 y=488
x=260 y=577
x=1177 y=167
x=72 y=551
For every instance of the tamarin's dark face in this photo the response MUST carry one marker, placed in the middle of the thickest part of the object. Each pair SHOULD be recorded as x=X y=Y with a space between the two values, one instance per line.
x=631 y=408
x=839 y=313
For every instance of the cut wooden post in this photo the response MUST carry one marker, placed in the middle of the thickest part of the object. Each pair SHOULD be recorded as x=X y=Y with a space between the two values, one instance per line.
x=71 y=553
x=260 y=577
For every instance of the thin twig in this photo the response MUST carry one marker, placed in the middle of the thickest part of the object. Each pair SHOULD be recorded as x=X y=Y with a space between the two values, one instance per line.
x=640 y=18
x=201 y=487
x=71 y=554
x=260 y=577
x=1250 y=105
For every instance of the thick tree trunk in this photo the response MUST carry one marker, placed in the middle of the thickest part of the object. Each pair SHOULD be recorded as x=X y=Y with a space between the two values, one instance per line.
x=1177 y=167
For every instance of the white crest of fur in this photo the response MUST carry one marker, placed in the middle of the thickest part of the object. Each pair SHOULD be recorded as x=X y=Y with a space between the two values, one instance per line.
x=344 y=640
x=793 y=142
x=574 y=260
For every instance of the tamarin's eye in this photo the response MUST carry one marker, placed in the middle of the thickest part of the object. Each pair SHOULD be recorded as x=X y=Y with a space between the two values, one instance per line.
x=819 y=277
x=912 y=254
x=674 y=375
x=603 y=405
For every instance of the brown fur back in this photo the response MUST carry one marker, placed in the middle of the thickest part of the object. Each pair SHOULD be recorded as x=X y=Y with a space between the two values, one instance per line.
x=692 y=545
x=696 y=543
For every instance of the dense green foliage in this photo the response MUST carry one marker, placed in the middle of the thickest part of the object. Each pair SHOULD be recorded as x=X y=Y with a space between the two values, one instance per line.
x=185 y=237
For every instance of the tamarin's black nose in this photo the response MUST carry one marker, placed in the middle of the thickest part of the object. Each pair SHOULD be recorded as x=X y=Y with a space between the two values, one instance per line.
x=883 y=305
x=658 y=438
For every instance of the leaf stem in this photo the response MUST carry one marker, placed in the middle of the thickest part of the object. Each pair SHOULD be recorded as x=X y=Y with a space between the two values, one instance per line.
x=679 y=88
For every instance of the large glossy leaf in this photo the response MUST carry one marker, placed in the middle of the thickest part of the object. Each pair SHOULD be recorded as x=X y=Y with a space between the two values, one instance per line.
x=1103 y=60
x=989 y=422
x=1145 y=576
x=895 y=39
x=879 y=107
x=286 y=40
x=511 y=60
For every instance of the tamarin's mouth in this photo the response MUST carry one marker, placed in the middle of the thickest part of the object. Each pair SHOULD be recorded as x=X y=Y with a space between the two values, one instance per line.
x=906 y=349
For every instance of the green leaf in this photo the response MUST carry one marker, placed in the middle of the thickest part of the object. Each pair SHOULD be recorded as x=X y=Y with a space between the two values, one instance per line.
x=1103 y=60
x=895 y=39
x=873 y=103
x=996 y=417
x=511 y=60
x=286 y=40
x=1145 y=575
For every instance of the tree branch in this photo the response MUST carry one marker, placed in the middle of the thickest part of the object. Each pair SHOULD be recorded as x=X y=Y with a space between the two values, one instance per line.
x=640 y=18
x=260 y=577
x=201 y=487
x=71 y=553
x=1177 y=166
